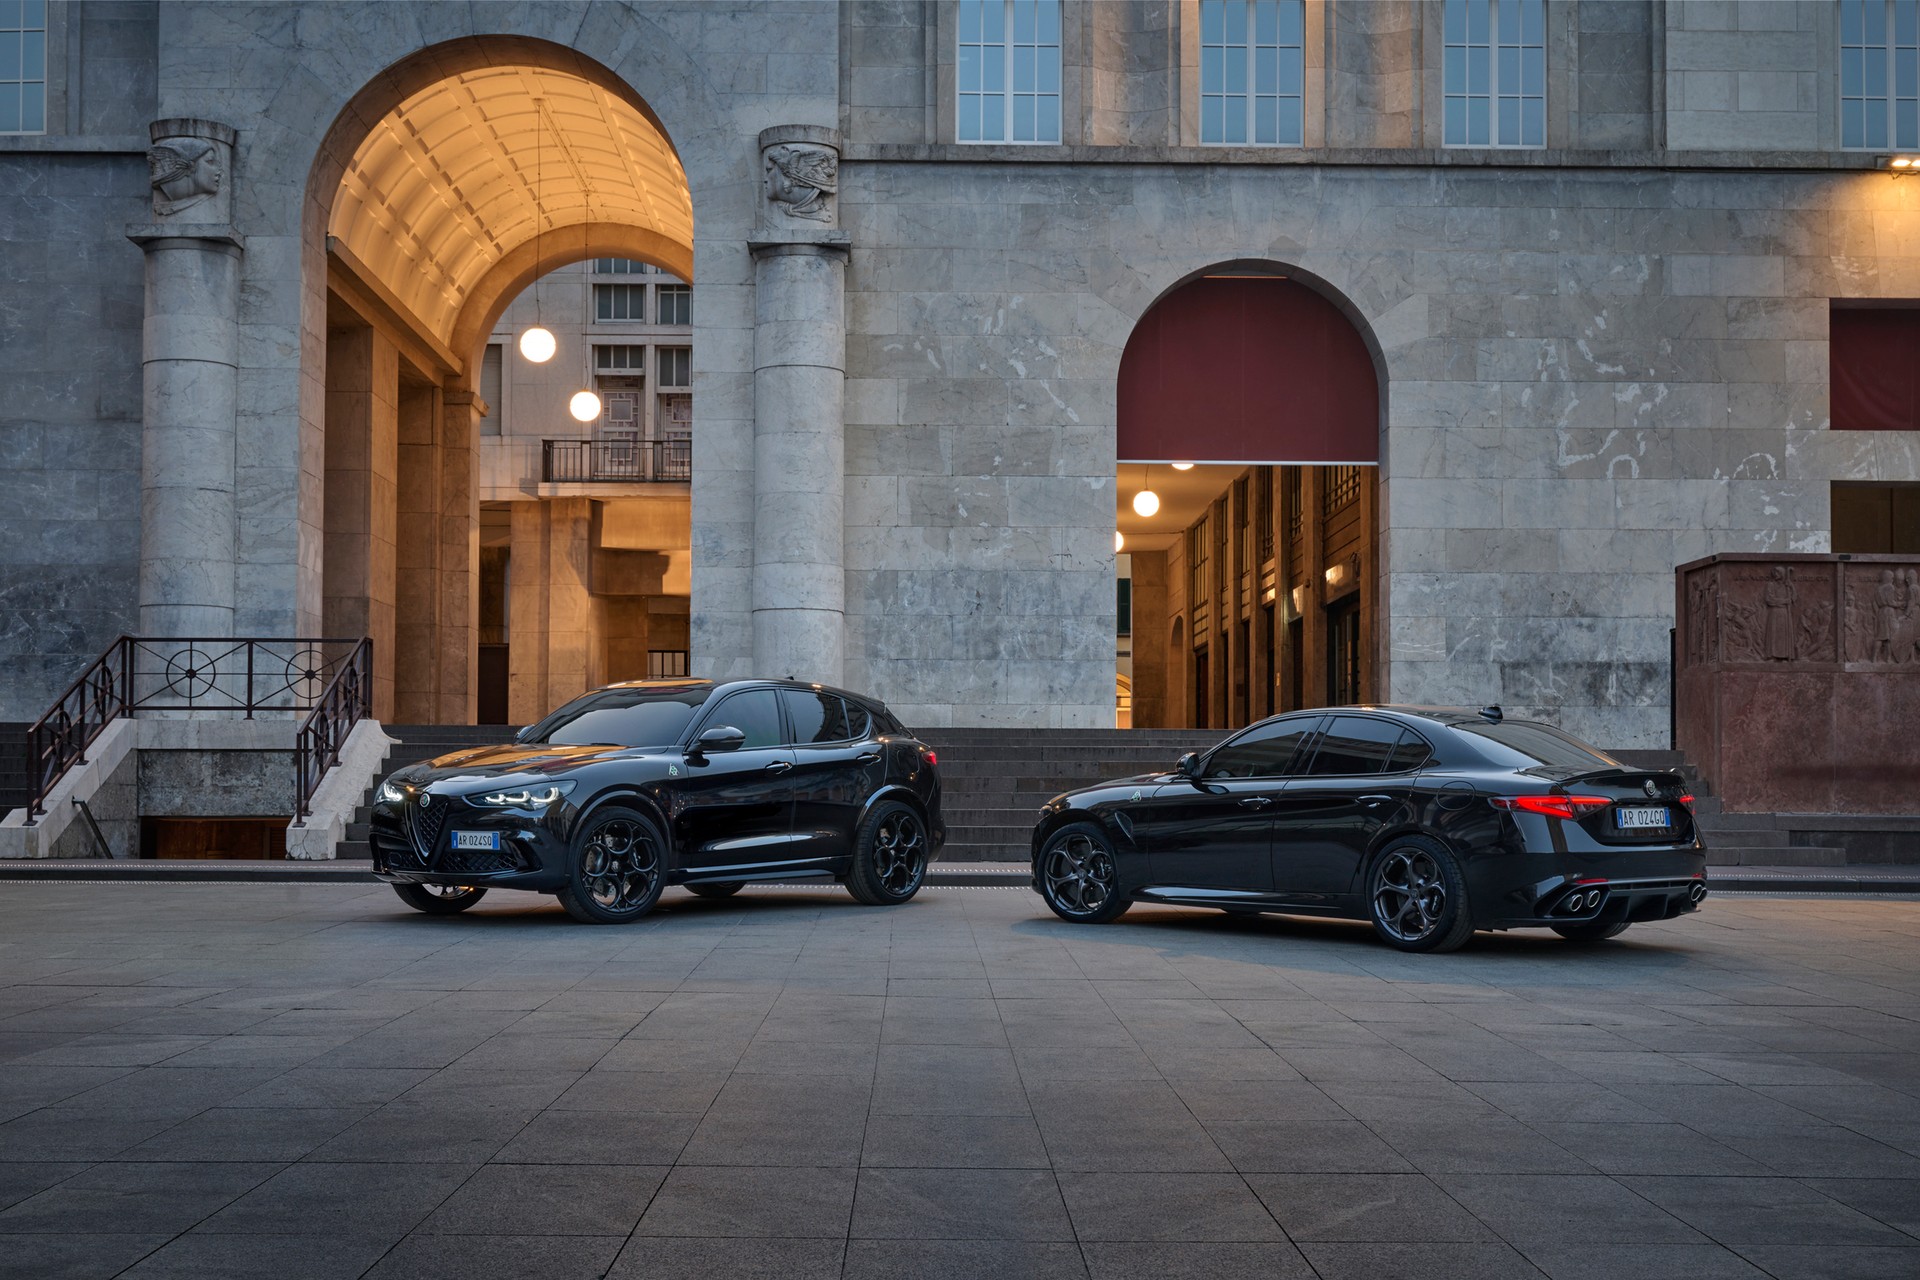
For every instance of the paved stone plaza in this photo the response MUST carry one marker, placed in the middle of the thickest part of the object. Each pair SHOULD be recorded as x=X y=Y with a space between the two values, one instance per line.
x=297 y=1081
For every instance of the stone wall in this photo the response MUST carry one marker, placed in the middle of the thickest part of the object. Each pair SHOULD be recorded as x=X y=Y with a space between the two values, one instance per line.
x=1751 y=73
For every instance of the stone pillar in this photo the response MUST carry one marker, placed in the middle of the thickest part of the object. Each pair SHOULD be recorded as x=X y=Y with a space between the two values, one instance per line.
x=459 y=534
x=188 y=518
x=527 y=613
x=799 y=375
x=361 y=498
x=416 y=624
x=1150 y=657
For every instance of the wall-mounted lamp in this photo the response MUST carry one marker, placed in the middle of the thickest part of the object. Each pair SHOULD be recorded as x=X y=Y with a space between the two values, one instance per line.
x=1336 y=574
x=1900 y=166
x=1299 y=597
x=1119 y=542
x=1183 y=466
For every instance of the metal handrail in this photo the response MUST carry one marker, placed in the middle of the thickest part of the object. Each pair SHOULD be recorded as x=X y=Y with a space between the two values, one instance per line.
x=248 y=675
x=348 y=698
x=577 y=461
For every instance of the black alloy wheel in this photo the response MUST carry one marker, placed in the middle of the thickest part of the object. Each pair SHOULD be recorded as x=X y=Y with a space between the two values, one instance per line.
x=1079 y=877
x=1417 y=897
x=715 y=890
x=617 y=869
x=440 y=899
x=1593 y=931
x=889 y=856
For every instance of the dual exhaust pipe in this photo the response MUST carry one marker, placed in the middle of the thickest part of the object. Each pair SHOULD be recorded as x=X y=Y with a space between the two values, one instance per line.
x=1585 y=899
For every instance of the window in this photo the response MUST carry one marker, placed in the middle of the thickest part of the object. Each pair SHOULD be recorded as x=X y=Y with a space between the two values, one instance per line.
x=1495 y=77
x=615 y=358
x=1342 y=486
x=1198 y=588
x=859 y=723
x=23 y=66
x=666 y=663
x=1251 y=71
x=622 y=267
x=490 y=363
x=1880 y=74
x=1008 y=71
x=1876 y=519
x=817 y=717
x=673 y=304
x=1355 y=745
x=1124 y=606
x=1264 y=751
x=621 y=718
x=620 y=302
x=676 y=366
x=755 y=713
x=1522 y=744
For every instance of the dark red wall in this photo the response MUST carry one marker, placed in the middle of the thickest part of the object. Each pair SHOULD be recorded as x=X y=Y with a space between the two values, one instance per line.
x=1247 y=370
x=1875 y=368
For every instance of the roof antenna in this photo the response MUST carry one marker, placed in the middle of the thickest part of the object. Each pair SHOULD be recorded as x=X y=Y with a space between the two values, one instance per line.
x=1491 y=714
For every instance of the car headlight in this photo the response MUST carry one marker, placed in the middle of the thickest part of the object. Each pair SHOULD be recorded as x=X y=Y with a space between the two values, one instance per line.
x=527 y=797
x=390 y=794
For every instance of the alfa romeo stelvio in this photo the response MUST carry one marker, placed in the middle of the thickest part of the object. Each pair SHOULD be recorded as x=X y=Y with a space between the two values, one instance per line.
x=655 y=782
x=1429 y=822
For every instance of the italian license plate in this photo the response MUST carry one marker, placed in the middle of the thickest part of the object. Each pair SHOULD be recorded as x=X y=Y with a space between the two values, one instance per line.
x=1640 y=818
x=476 y=840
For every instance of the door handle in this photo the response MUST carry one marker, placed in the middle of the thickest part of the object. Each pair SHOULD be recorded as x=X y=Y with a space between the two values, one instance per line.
x=867 y=757
x=1256 y=802
x=778 y=766
x=1373 y=800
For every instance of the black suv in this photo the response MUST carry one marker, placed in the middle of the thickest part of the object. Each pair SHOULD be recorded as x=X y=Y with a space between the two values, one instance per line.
x=640 y=785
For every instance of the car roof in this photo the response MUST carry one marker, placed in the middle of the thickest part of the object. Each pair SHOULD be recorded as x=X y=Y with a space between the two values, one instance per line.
x=673 y=683
x=1438 y=715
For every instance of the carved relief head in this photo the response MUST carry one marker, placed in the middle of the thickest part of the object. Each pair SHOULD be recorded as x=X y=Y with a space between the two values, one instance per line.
x=183 y=172
x=801 y=179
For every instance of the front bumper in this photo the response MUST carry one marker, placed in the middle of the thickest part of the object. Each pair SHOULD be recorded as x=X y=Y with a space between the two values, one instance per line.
x=410 y=847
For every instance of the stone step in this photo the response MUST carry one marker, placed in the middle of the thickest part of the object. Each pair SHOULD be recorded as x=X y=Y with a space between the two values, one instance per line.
x=1789 y=855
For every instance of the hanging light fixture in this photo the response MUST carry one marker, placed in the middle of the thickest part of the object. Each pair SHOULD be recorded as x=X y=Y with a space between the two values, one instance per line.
x=585 y=406
x=1183 y=466
x=538 y=343
x=1119 y=542
x=1146 y=502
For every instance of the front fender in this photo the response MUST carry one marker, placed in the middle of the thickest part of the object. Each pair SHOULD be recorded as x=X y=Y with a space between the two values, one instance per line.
x=629 y=796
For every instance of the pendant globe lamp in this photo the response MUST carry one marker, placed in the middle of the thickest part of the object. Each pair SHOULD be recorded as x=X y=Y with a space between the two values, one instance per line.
x=538 y=343
x=1146 y=502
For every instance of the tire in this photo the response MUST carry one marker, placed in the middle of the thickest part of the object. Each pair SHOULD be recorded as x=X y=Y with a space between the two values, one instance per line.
x=616 y=868
x=714 y=890
x=440 y=899
x=1417 y=898
x=889 y=856
x=1595 y=932
x=1080 y=876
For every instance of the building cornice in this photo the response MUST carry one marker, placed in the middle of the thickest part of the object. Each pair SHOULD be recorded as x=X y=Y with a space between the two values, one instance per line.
x=1558 y=158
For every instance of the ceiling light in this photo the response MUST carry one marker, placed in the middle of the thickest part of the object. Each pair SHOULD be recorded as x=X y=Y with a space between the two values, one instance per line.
x=1183 y=466
x=538 y=345
x=1146 y=503
x=585 y=406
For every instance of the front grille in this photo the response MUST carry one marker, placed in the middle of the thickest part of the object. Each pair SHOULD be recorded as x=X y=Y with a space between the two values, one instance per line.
x=477 y=861
x=424 y=824
x=397 y=853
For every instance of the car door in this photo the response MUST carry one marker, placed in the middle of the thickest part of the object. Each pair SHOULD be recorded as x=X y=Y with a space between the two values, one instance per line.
x=836 y=766
x=1327 y=817
x=1214 y=832
x=736 y=807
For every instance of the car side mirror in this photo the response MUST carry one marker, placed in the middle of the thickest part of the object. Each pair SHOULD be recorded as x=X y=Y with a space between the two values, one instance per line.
x=1188 y=765
x=520 y=734
x=717 y=739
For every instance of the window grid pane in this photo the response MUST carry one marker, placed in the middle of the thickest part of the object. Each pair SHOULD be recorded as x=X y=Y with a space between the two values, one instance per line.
x=1251 y=72
x=1007 y=71
x=620 y=302
x=676 y=366
x=1880 y=74
x=1494 y=73
x=674 y=304
x=23 y=67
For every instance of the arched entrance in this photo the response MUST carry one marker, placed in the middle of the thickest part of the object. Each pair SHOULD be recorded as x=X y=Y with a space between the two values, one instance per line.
x=451 y=183
x=1250 y=410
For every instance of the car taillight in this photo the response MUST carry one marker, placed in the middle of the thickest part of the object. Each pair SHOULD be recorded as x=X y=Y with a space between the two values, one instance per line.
x=1687 y=801
x=1572 y=808
x=932 y=758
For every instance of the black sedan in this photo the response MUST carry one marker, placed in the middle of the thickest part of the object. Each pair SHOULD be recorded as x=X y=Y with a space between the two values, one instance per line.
x=655 y=782
x=1429 y=822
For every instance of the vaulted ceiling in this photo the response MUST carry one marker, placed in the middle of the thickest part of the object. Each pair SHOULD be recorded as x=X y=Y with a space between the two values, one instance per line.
x=473 y=168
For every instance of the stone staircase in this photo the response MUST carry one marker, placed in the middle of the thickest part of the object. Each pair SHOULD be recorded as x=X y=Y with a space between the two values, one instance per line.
x=416 y=742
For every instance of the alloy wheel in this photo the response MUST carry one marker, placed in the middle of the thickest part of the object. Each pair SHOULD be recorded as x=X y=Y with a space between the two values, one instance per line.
x=1080 y=874
x=899 y=854
x=1409 y=894
x=619 y=865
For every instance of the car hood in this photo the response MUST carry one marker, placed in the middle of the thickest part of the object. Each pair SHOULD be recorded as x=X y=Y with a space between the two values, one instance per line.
x=516 y=761
x=1137 y=780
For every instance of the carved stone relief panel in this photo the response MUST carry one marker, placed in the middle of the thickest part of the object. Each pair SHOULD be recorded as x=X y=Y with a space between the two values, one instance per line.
x=1775 y=613
x=1882 y=625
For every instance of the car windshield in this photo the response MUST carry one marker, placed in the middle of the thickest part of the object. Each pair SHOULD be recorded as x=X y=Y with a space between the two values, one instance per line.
x=621 y=718
x=1521 y=744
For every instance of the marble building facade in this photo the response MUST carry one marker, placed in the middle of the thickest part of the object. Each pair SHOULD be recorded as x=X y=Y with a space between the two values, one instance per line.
x=1600 y=357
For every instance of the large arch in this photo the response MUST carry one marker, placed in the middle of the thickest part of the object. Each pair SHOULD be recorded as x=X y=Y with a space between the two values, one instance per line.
x=1251 y=399
x=450 y=182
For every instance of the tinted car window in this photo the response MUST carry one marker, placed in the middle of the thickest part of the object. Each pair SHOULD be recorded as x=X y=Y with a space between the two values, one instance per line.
x=621 y=718
x=858 y=721
x=1520 y=744
x=1409 y=753
x=755 y=713
x=1355 y=745
x=1265 y=751
x=817 y=717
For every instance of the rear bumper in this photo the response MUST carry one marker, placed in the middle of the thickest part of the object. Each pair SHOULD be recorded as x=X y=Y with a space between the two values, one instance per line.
x=1598 y=900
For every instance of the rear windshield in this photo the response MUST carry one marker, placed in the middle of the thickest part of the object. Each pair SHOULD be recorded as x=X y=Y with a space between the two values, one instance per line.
x=622 y=718
x=1520 y=744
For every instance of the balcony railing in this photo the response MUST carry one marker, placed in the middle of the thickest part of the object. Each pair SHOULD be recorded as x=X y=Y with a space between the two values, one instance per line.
x=589 y=461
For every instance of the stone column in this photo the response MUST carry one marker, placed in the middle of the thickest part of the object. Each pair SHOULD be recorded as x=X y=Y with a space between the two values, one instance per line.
x=189 y=382
x=799 y=428
x=459 y=558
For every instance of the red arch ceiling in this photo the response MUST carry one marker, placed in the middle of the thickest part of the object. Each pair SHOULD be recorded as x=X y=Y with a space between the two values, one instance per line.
x=1247 y=369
